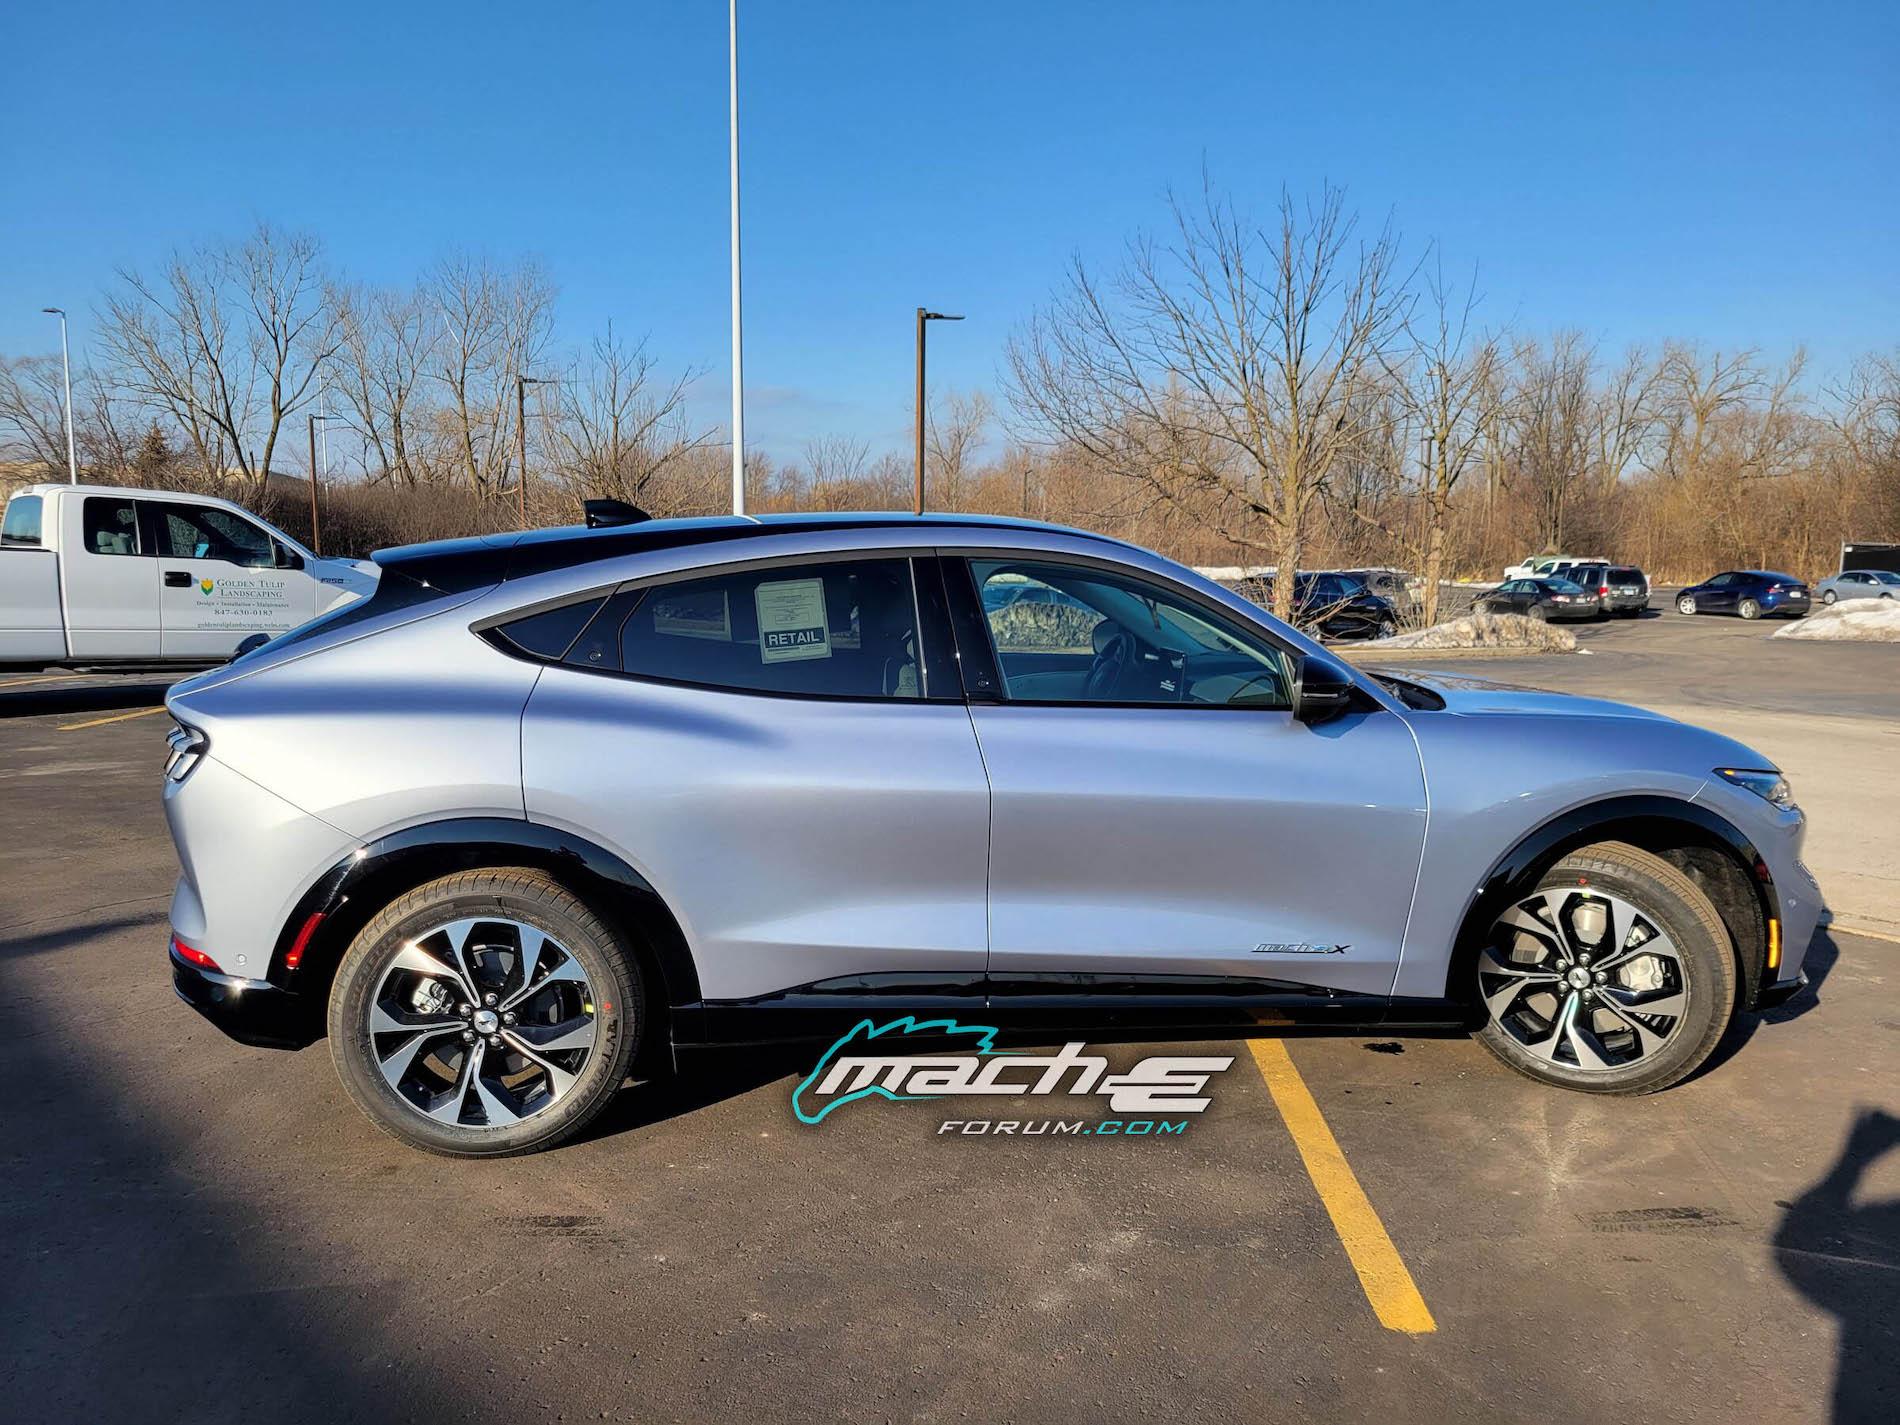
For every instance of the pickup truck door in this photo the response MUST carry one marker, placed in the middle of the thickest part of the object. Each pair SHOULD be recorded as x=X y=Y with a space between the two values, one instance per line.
x=110 y=578
x=221 y=580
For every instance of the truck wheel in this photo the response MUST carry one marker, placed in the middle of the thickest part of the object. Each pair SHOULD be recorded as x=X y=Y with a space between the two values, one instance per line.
x=1614 y=975
x=484 y=1014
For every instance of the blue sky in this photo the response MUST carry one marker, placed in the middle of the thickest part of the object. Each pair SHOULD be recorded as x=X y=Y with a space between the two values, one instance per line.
x=1722 y=171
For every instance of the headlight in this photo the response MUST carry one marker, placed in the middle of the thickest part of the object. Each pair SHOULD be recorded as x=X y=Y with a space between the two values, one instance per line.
x=1769 y=785
x=186 y=745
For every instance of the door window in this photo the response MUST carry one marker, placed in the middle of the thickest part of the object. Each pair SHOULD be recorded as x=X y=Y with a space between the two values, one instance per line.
x=1073 y=634
x=109 y=525
x=833 y=629
x=206 y=532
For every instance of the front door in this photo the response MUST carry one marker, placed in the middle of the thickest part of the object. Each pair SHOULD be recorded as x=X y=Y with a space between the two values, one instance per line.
x=1156 y=809
x=220 y=580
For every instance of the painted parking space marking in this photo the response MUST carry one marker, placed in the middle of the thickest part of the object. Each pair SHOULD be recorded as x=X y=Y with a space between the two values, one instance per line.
x=41 y=678
x=1388 y=1286
x=102 y=721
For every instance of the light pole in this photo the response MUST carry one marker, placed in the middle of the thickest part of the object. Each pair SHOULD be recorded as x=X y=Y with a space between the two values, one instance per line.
x=316 y=534
x=738 y=346
x=522 y=383
x=66 y=368
x=922 y=317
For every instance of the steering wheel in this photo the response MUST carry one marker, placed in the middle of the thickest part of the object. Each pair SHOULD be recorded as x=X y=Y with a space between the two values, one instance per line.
x=1114 y=651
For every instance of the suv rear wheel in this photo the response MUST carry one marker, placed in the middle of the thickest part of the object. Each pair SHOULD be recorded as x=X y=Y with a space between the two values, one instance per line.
x=1613 y=975
x=484 y=1014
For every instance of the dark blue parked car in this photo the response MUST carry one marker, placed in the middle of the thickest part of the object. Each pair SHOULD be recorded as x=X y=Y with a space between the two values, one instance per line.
x=1752 y=593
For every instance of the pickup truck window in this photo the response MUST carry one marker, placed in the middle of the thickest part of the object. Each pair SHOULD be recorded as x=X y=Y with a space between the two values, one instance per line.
x=22 y=528
x=206 y=532
x=110 y=525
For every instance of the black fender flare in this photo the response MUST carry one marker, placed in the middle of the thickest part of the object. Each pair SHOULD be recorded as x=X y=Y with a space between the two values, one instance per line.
x=361 y=882
x=1649 y=820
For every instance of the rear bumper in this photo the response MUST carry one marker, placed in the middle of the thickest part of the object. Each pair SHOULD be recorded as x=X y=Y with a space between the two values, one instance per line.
x=250 y=1011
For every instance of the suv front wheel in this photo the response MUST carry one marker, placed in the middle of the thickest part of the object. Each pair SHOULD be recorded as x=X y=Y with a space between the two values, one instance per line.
x=1613 y=975
x=487 y=1013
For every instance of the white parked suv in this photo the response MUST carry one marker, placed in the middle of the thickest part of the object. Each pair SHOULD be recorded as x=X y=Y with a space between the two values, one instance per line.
x=99 y=574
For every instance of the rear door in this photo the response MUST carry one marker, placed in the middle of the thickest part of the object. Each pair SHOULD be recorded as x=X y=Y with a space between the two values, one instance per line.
x=220 y=580
x=110 y=578
x=1158 y=816
x=782 y=749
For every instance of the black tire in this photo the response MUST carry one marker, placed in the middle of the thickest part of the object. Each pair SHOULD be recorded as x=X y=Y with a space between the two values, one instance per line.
x=1748 y=609
x=616 y=1002
x=1537 y=613
x=1705 y=961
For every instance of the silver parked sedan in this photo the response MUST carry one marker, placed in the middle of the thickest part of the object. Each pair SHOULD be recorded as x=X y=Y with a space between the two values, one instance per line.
x=1858 y=584
x=551 y=801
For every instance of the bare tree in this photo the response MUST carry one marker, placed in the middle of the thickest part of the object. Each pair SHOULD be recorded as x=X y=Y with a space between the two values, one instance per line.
x=620 y=426
x=1549 y=438
x=33 y=411
x=226 y=342
x=1218 y=372
x=1453 y=394
x=387 y=343
x=953 y=435
x=495 y=325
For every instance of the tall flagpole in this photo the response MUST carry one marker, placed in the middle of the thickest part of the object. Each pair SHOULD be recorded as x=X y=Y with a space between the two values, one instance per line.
x=738 y=368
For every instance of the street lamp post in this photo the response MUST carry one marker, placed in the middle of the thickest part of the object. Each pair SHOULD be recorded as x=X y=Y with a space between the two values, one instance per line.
x=738 y=345
x=316 y=534
x=922 y=317
x=522 y=383
x=66 y=369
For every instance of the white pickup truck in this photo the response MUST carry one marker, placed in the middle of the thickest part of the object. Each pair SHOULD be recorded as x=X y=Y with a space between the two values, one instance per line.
x=94 y=575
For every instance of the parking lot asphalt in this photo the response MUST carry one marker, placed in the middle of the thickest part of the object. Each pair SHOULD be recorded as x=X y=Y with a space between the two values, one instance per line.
x=197 y=1230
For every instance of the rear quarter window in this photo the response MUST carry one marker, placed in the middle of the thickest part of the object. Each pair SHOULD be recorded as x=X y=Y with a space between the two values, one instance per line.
x=22 y=527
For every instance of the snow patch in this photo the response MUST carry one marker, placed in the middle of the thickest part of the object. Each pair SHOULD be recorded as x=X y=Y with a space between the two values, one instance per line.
x=1483 y=630
x=1850 y=621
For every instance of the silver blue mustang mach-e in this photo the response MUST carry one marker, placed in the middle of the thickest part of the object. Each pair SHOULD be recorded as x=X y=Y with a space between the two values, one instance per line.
x=551 y=800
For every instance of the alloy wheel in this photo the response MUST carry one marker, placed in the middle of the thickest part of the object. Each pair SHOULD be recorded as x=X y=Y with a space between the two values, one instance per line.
x=482 y=1022
x=1685 y=604
x=1584 y=981
x=1828 y=597
x=1748 y=608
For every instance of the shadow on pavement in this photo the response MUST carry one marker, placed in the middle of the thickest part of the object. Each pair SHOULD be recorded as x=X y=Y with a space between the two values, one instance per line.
x=1844 y=1257
x=50 y=699
x=133 y=1286
x=1823 y=954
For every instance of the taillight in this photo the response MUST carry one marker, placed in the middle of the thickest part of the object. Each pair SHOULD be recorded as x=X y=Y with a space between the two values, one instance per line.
x=186 y=746
x=1603 y=590
x=192 y=955
x=1774 y=588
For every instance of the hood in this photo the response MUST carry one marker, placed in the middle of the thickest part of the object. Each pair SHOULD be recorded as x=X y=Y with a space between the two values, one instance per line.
x=1466 y=696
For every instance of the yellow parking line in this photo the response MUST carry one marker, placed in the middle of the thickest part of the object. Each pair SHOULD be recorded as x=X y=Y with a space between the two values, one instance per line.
x=102 y=721
x=1388 y=1285
x=42 y=678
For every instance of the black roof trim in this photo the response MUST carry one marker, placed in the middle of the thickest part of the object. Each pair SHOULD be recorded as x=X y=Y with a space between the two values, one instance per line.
x=456 y=565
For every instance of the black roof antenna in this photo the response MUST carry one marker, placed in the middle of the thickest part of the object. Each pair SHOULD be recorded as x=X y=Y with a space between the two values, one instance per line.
x=604 y=514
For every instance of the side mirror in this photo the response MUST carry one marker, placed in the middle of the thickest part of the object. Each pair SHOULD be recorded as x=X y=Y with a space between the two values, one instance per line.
x=287 y=558
x=1322 y=689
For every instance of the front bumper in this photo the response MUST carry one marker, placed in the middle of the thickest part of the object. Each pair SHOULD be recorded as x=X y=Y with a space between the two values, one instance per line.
x=1769 y=996
x=250 y=1011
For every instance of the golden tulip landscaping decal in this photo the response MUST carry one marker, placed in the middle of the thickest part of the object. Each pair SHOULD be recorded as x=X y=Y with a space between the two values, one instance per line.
x=205 y=586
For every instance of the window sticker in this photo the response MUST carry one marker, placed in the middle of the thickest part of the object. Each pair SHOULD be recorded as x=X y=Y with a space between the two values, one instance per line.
x=694 y=613
x=792 y=620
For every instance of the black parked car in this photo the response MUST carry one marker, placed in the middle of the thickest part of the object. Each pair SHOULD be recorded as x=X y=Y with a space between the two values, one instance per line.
x=1541 y=599
x=1748 y=592
x=1335 y=606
